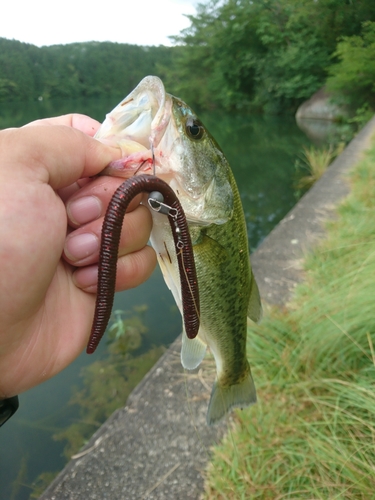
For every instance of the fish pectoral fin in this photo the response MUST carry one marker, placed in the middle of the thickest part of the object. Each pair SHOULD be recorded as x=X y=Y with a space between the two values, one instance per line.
x=192 y=352
x=223 y=399
x=254 y=308
x=210 y=249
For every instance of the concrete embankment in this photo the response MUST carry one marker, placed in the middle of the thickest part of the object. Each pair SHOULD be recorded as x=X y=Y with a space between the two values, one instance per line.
x=157 y=446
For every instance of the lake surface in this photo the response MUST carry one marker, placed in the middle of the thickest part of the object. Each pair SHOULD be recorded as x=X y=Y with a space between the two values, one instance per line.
x=262 y=151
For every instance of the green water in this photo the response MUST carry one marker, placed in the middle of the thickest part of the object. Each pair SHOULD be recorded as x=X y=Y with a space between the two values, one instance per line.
x=262 y=152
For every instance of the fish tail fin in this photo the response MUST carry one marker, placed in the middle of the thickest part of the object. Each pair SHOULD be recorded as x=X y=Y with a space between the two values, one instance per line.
x=224 y=398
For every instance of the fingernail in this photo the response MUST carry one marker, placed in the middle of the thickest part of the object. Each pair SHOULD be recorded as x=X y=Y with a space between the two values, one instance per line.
x=81 y=246
x=84 y=209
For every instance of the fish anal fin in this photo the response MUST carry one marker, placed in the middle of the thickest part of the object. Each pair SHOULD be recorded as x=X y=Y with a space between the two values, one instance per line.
x=224 y=398
x=254 y=308
x=192 y=352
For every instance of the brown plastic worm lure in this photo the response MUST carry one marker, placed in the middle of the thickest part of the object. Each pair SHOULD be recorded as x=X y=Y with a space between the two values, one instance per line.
x=109 y=253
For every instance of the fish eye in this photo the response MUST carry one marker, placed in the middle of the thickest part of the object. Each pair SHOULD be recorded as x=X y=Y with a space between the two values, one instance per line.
x=194 y=129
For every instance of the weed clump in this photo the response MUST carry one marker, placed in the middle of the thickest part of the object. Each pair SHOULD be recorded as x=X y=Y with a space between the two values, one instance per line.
x=313 y=163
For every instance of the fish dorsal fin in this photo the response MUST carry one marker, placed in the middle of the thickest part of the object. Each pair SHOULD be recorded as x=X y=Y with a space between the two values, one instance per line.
x=192 y=352
x=254 y=308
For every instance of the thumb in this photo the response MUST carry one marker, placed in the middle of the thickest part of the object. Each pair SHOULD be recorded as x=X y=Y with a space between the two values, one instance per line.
x=58 y=155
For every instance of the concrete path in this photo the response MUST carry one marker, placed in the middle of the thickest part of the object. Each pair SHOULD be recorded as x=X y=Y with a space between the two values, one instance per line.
x=156 y=447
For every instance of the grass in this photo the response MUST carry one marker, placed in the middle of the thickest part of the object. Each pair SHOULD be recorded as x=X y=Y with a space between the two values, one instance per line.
x=315 y=162
x=312 y=434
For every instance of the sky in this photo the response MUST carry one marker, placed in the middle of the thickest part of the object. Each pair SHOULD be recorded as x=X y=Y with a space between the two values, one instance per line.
x=140 y=22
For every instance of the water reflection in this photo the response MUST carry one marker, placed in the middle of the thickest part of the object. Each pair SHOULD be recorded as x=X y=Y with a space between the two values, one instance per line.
x=322 y=132
x=262 y=152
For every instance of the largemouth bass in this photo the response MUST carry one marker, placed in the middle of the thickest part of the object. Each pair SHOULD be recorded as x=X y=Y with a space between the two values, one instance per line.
x=159 y=134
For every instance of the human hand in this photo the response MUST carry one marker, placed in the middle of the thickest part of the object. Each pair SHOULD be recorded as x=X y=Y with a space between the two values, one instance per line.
x=48 y=258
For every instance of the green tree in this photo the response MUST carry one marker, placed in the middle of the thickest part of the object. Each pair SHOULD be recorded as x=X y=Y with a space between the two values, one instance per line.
x=7 y=88
x=16 y=71
x=268 y=54
x=354 y=73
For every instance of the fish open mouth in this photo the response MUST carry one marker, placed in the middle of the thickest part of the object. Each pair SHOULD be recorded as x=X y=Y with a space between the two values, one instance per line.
x=137 y=125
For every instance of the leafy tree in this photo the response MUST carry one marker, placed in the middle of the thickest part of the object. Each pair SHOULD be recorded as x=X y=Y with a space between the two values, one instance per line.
x=265 y=54
x=7 y=88
x=16 y=71
x=354 y=73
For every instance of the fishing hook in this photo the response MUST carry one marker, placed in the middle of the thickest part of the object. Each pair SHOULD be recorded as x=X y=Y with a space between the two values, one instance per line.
x=153 y=160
